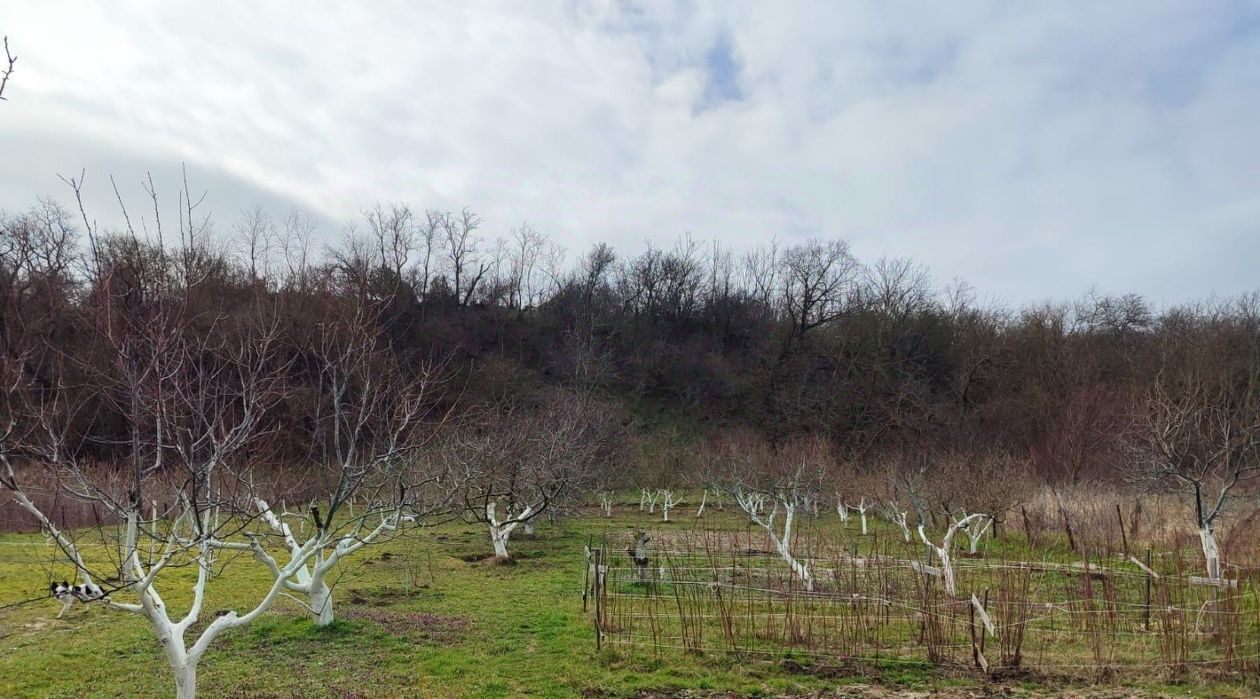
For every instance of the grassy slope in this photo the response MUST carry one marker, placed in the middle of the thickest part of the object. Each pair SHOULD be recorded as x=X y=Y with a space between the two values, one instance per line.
x=499 y=631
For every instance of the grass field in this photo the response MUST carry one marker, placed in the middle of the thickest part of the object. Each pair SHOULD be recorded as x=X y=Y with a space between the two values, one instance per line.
x=425 y=616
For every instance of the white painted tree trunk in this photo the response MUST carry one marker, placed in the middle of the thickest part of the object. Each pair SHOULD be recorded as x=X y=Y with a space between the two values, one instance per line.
x=898 y=518
x=975 y=533
x=842 y=510
x=185 y=681
x=1211 y=552
x=861 y=510
x=704 y=499
x=501 y=532
x=320 y=600
x=947 y=572
x=799 y=569
x=140 y=576
x=942 y=551
x=751 y=503
x=499 y=540
x=310 y=578
x=668 y=502
x=647 y=500
x=182 y=666
x=605 y=503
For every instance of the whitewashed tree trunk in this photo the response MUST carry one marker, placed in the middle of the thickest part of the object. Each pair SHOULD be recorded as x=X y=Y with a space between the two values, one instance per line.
x=605 y=503
x=501 y=532
x=899 y=518
x=1211 y=552
x=311 y=578
x=668 y=502
x=947 y=572
x=499 y=540
x=704 y=499
x=141 y=578
x=647 y=500
x=861 y=510
x=842 y=510
x=782 y=540
x=905 y=526
x=975 y=532
x=139 y=574
x=942 y=551
x=320 y=601
x=801 y=570
x=185 y=681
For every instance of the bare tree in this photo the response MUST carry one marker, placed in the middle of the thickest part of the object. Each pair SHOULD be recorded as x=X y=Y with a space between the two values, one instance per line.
x=393 y=241
x=371 y=418
x=295 y=246
x=765 y=484
x=669 y=500
x=648 y=498
x=466 y=263
x=193 y=406
x=1201 y=435
x=521 y=461
x=816 y=280
x=255 y=240
x=942 y=551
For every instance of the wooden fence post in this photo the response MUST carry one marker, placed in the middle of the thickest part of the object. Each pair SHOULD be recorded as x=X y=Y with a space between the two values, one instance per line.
x=599 y=605
x=586 y=574
x=1124 y=537
x=1146 y=622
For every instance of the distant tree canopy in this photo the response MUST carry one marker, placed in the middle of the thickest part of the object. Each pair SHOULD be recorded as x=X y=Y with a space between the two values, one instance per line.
x=786 y=340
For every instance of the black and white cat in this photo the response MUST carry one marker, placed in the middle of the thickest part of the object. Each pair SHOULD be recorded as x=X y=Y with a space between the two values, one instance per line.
x=66 y=593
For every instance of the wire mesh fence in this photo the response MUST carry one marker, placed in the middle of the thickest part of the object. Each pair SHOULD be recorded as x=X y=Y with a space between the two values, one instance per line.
x=727 y=592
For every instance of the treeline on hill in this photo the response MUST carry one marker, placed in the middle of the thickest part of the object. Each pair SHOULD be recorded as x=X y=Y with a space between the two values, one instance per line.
x=785 y=340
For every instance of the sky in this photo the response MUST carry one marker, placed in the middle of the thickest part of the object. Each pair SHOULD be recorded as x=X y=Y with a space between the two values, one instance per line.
x=1035 y=150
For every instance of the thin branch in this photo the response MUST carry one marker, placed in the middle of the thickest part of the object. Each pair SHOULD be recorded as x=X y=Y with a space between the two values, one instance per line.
x=4 y=79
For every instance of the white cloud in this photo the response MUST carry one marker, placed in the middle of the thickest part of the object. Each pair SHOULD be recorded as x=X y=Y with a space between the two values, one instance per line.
x=1033 y=150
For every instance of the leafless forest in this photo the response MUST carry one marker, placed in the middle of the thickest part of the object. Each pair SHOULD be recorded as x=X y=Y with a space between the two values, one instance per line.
x=687 y=351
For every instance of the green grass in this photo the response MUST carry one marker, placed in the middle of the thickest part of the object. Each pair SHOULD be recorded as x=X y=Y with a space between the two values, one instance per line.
x=464 y=630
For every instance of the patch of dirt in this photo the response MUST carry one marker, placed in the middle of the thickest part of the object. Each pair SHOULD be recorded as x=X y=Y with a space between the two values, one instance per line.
x=377 y=596
x=475 y=557
x=419 y=626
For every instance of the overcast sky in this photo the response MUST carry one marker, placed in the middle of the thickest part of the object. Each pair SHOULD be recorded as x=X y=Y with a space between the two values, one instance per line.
x=1032 y=149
